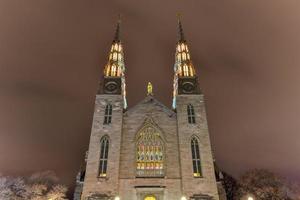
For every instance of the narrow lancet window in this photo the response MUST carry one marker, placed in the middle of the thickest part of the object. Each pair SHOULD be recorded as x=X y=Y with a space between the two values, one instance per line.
x=196 y=157
x=191 y=114
x=108 y=114
x=104 y=146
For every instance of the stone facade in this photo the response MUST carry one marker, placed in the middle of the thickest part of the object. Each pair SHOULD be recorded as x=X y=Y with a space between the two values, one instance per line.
x=178 y=179
x=154 y=152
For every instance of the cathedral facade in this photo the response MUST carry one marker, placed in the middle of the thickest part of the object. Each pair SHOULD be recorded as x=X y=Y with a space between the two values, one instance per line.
x=149 y=151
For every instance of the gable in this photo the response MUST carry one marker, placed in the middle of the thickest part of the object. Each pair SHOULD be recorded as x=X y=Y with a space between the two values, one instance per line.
x=150 y=104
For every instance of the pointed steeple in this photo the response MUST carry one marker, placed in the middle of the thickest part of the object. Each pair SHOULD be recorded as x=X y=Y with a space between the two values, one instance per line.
x=185 y=78
x=183 y=63
x=115 y=66
x=114 y=70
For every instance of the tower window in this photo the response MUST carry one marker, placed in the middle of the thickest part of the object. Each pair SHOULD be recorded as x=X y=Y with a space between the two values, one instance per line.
x=150 y=156
x=196 y=157
x=108 y=114
x=104 y=145
x=191 y=114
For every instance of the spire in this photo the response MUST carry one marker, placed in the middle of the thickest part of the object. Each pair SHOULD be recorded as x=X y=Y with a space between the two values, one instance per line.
x=185 y=78
x=114 y=70
x=183 y=62
x=117 y=33
x=180 y=29
x=115 y=66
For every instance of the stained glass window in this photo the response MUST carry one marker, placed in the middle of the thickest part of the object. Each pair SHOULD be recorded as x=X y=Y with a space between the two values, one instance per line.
x=108 y=114
x=104 y=145
x=191 y=114
x=150 y=156
x=196 y=157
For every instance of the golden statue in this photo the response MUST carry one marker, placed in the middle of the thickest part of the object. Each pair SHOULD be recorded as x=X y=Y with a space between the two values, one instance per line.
x=149 y=89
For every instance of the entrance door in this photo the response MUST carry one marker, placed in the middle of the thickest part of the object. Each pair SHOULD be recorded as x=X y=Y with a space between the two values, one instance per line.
x=151 y=197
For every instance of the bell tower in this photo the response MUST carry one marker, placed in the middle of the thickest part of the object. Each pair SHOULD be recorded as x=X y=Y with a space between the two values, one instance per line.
x=102 y=167
x=197 y=168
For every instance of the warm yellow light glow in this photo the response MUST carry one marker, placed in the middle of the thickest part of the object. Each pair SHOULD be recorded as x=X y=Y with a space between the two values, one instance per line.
x=182 y=47
x=198 y=175
x=150 y=198
x=178 y=48
x=149 y=89
x=183 y=198
x=116 y=47
x=250 y=198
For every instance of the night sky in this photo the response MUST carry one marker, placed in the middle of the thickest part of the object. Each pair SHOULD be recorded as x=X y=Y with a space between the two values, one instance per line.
x=246 y=53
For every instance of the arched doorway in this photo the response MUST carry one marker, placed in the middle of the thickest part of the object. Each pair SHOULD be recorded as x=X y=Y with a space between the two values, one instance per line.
x=151 y=197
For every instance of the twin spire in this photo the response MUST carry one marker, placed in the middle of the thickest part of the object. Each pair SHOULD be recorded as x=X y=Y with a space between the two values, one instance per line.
x=115 y=67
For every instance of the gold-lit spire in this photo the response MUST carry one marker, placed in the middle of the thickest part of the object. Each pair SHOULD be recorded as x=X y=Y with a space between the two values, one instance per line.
x=183 y=69
x=183 y=63
x=149 y=89
x=115 y=65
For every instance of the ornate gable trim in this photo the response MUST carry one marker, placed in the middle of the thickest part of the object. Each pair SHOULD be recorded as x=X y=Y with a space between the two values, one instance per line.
x=149 y=122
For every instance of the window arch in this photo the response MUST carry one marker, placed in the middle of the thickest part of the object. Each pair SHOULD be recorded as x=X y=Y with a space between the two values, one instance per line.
x=196 y=157
x=191 y=114
x=104 y=146
x=149 y=153
x=108 y=114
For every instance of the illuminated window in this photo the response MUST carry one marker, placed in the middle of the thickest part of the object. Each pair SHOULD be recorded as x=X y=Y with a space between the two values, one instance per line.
x=151 y=197
x=115 y=56
x=178 y=48
x=183 y=56
x=150 y=156
x=182 y=47
x=191 y=114
x=116 y=46
x=108 y=114
x=104 y=145
x=196 y=157
x=185 y=70
x=179 y=57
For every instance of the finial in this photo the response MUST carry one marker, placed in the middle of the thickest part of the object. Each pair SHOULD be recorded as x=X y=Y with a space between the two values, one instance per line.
x=149 y=89
x=117 y=33
x=180 y=29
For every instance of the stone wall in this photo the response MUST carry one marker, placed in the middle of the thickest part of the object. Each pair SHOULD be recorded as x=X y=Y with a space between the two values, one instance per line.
x=176 y=133
x=207 y=183
x=93 y=183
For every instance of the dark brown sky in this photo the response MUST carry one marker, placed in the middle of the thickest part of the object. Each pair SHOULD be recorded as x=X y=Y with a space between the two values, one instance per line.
x=52 y=52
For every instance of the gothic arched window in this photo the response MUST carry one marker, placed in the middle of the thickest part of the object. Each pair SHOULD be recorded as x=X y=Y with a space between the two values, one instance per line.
x=108 y=114
x=196 y=157
x=104 y=146
x=150 y=153
x=191 y=114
